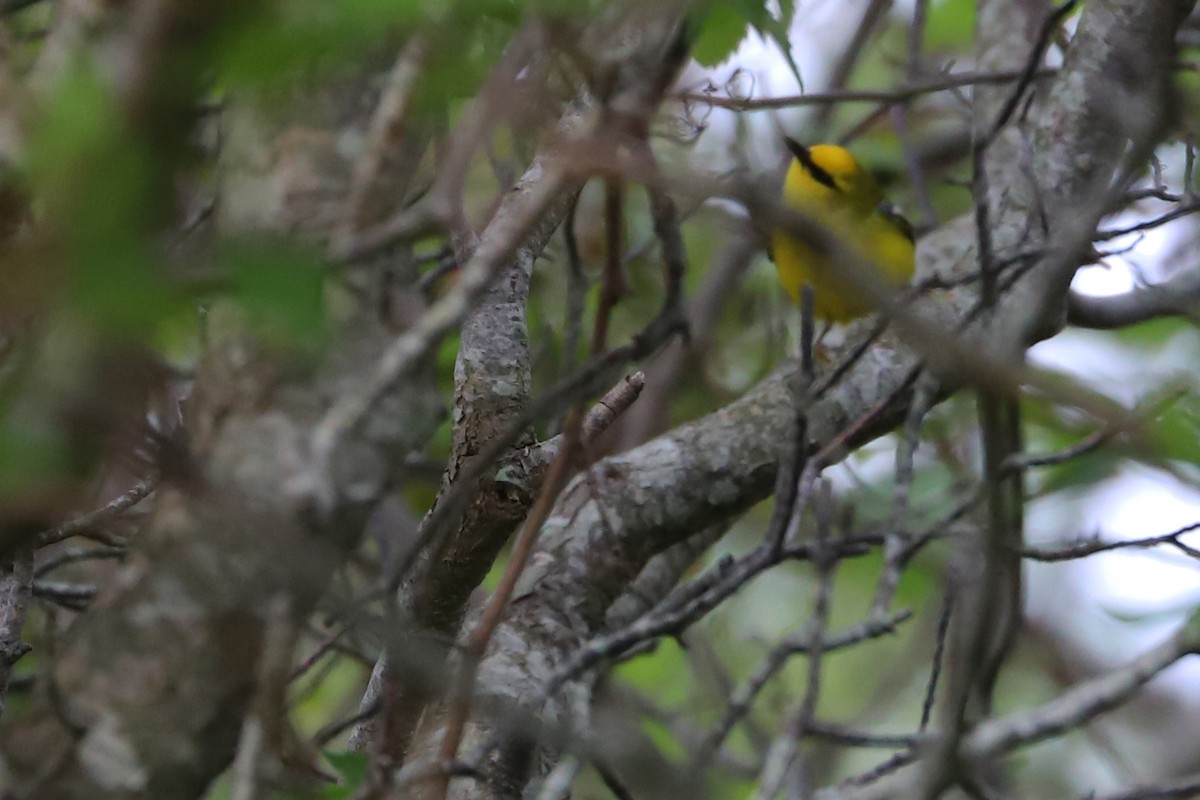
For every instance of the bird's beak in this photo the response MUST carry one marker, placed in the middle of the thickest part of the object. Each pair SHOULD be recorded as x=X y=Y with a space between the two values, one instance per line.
x=798 y=150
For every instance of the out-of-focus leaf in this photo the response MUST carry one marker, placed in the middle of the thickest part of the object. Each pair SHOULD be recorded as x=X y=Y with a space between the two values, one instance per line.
x=1175 y=433
x=1155 y=332
x=100 y=187
x=351 y=768
x=574 y=7
x=281 y=287
x=339 y=687
x=288 y=36
x=1187 y=83
x=720 y=26
x=31 y=457
x=665 y=674
x=758 y=14
x=1082 y=472
x=294 y=37
x=951 y=23
x=721 y=30
x=665 y=741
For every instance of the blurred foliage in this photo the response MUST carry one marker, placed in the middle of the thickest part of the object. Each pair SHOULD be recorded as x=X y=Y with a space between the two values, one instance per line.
x=950 y=26
x=282 y=284
x=110 y=272
x=720 y=25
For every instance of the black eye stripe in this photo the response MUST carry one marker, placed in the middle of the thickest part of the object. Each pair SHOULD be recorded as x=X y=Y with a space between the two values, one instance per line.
x=821 y=176
x=805 y=158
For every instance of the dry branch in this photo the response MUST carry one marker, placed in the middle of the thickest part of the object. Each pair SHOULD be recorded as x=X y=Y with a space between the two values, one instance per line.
x=648 y=499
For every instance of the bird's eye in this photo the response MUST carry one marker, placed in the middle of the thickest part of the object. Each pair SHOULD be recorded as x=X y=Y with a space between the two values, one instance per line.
x=804 y=156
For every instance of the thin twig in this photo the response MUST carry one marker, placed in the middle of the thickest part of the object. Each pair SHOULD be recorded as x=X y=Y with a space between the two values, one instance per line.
x=1082 y=548
x=614 y=287
x=939 y=654
x=850 y=56
x=884 y=768
x=744 y=696
x=1032 y=69
x=1024 y=461
x=577 y=286
x=384 y=133
x=331 y=731
x=75 y=596
x=328 y=644
x=885 y=96
x=89 y=524
x=849 y=738
x=782 y=755
x=692 y=602
x=896 y=547
x=1185 y=209
x=76 y=555
x=1082 y=702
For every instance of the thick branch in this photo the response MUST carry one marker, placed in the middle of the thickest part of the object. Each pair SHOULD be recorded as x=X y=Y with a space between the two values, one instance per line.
x=492 y=378
x=1179 y=296
x=650 y=498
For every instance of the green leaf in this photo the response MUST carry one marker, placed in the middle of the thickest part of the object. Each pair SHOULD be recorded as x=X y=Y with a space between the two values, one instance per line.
x=721 y=26
x=1175 y=433
x=351 y=766
x=661 y=673
x=775 y=28
x=1082 y=473
x=950 y=24
x=32 y=458
x=721 y=31
x=282 y=287
x=1153 y=333
x=106 y=189
x=285 y=37
x=755 y=12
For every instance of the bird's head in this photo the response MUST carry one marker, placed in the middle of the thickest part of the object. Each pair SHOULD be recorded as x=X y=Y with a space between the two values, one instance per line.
x=831 y=174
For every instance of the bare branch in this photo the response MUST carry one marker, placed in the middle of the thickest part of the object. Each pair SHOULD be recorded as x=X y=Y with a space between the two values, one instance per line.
x=16 y=581
x=1082 y=548
x=384 y=136
x=1178 y=296
x=886 y=96
x=522 y=215
x=584 y=559
x=90 y=524
x=608 y=408
x=1083 y=702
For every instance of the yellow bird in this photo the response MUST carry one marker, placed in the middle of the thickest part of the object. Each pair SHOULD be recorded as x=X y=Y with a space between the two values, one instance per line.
x=826 y=182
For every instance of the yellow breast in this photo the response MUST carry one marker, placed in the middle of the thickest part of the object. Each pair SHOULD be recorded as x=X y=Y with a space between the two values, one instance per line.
x=849 y=209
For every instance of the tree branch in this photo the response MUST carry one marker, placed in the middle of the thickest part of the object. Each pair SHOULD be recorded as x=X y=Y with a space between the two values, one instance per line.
x=656 y=495
x=1178 y=296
